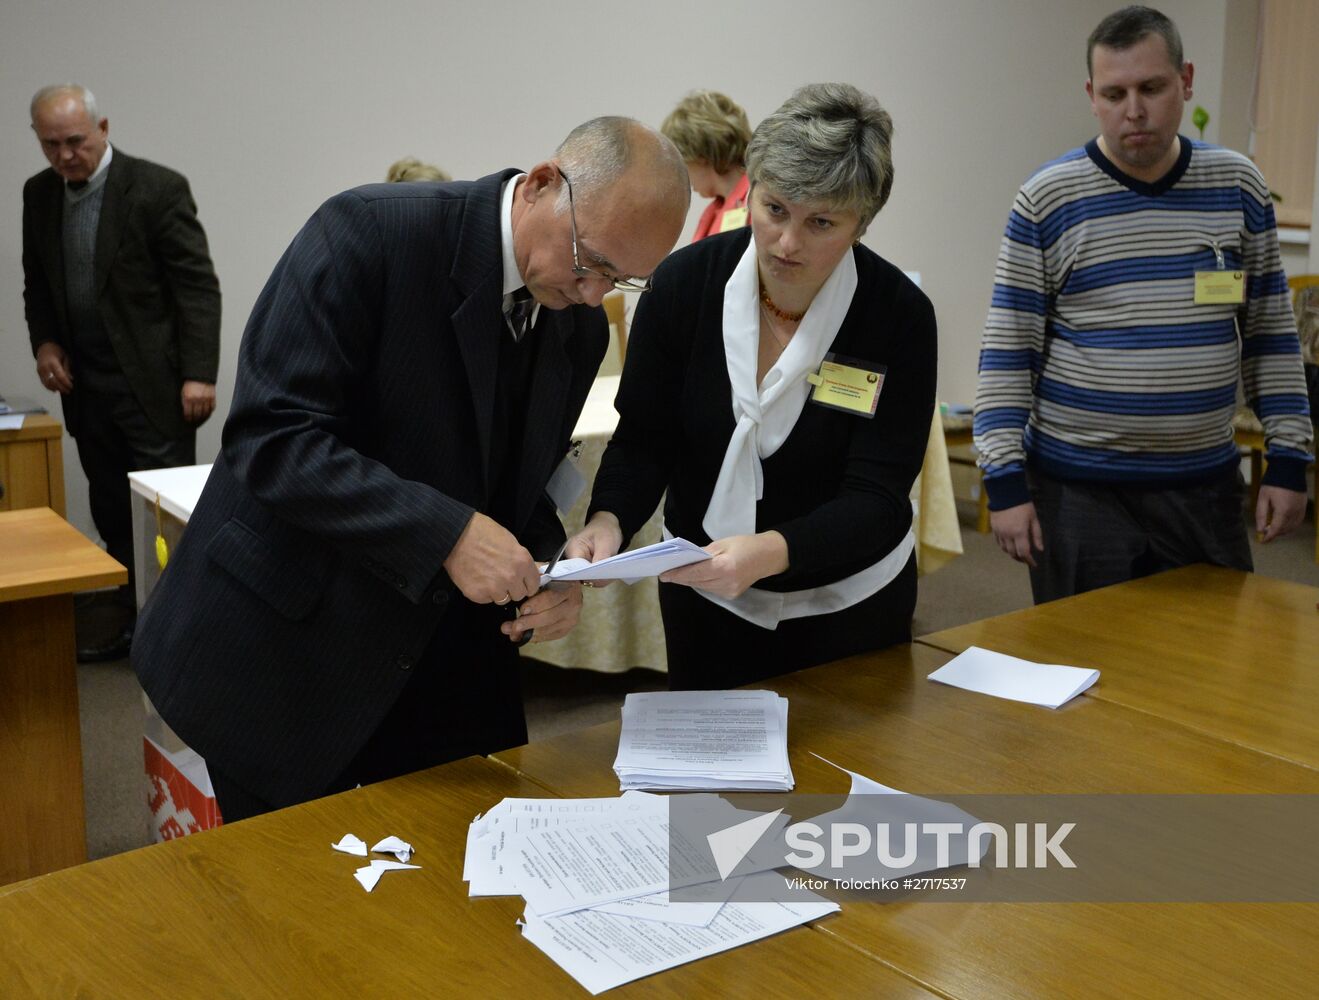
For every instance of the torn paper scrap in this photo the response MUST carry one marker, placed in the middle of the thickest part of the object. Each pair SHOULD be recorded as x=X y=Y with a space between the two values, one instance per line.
x=349 y=844
x=370 y=875
x=401 y=849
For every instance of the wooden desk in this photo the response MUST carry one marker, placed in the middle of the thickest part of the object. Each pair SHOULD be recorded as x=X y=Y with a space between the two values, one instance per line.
x=32 y=464
x=879 y=715
x=264 y=908
x=42 y=561
x=1234 y=655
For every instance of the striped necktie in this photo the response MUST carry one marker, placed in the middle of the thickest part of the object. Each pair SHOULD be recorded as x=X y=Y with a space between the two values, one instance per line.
x=519 y=313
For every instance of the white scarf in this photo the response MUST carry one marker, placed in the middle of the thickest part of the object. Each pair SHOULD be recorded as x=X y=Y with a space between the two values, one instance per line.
x=766 y=414
x=765 y=417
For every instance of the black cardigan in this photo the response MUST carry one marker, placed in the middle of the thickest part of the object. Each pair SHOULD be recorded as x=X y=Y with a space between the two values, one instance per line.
x=838 y=488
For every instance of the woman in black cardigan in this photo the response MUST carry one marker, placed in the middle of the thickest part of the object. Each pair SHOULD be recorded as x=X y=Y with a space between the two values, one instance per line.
x=779 y=385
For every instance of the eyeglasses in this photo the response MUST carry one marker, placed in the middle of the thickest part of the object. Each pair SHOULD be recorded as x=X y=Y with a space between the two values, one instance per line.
x=623 y=284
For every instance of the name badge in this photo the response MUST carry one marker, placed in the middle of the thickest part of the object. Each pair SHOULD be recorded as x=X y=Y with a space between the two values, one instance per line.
x=848 y=384
x=1220 y=288
x=566 y=485
x=734 y=218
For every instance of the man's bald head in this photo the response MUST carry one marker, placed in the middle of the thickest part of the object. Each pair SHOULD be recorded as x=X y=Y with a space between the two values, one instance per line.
x=72 y=136
x=628 y=187
x=600 y=152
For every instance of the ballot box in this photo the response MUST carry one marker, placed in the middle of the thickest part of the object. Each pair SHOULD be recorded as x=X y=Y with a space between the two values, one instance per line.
x=178 y=788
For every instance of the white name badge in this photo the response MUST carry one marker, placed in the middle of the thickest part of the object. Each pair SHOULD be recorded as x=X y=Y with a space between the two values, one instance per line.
x=566 y=485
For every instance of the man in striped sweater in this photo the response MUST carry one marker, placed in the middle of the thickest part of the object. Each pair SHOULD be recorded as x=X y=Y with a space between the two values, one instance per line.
x=1138 y=282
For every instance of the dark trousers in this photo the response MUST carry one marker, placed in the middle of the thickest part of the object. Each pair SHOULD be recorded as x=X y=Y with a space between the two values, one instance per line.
x=115 y=438
x=464 y=698
x=1097 y=534
x=710 y=648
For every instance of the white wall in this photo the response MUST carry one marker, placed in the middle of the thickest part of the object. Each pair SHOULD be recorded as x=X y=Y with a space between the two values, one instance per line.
x=269 y=108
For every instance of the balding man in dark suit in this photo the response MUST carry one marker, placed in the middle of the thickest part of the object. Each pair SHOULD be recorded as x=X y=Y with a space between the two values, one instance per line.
x=341 y=607
x=123 y=310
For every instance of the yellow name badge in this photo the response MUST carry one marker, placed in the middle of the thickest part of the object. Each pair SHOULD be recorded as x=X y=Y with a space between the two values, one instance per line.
x=1214 y=288
x=734 y=218
x=853 y=388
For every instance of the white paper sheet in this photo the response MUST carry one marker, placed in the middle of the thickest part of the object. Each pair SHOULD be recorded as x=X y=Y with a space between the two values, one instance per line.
x=650 y=560
x=603 y=950
x=1003 y=676
x=562 y=869
x=488 y=865
x=700 y=904
x=718 y=740
x=12 y=422
x=869 y=802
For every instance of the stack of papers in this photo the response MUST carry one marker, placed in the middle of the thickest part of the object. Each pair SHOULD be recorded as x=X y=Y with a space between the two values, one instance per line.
x=710 y=740
x=1005 y=676
x=596 y=874
x=652 y=560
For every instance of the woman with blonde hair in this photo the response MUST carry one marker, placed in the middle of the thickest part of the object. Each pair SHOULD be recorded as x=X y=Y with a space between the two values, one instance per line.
x=412 y=169
x=711 y=132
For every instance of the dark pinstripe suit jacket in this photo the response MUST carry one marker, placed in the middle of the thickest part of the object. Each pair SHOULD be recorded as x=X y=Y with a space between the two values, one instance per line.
x=355 y=452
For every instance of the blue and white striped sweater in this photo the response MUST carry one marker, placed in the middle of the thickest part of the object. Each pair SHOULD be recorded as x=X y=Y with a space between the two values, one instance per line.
x=1097 y=363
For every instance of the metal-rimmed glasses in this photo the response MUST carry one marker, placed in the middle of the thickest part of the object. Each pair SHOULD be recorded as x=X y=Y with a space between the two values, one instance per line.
x=623 y=284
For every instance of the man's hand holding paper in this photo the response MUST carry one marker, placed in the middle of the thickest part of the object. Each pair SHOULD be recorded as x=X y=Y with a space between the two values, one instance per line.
x=637 y=564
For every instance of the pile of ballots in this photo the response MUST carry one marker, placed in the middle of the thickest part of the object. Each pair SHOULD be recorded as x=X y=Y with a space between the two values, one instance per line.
x=609 y=901
x=704 y=740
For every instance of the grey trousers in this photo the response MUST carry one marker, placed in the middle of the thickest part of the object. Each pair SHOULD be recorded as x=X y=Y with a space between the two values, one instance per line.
x=1096 y=534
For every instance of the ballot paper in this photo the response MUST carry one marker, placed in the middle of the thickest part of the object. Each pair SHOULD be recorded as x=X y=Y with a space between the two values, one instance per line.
x=561 y=869
x=651 y=560
x=1004 y=676
x=700 y=904
x=488 y=865
x=604 y=950
x=712 y=740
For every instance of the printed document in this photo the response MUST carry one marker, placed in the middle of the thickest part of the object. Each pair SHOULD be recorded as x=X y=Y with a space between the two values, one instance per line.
x=714 y=740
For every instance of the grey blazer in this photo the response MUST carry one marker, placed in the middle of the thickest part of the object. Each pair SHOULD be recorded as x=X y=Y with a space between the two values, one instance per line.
x=309 y=580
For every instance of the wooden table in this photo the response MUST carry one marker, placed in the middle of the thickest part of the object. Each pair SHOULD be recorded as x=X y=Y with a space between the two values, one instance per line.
x=32 y=464
x=879 y=716
x=1230 y=654
x=264 y=908
x=42 y=561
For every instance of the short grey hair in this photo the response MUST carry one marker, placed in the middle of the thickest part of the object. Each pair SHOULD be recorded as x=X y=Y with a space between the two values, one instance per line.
x=597 y=152
x=1126 y=27
x=829 y=142
x=61 y=89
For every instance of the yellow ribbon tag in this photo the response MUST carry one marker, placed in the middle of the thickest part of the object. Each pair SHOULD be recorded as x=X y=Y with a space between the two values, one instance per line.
x=162 y=549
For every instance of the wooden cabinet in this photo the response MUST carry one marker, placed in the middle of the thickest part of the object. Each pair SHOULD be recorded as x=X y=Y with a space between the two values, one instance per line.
x=32 y=465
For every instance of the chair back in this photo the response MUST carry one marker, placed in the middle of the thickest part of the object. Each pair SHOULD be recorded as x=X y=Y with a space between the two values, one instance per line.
x=1305 y=303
